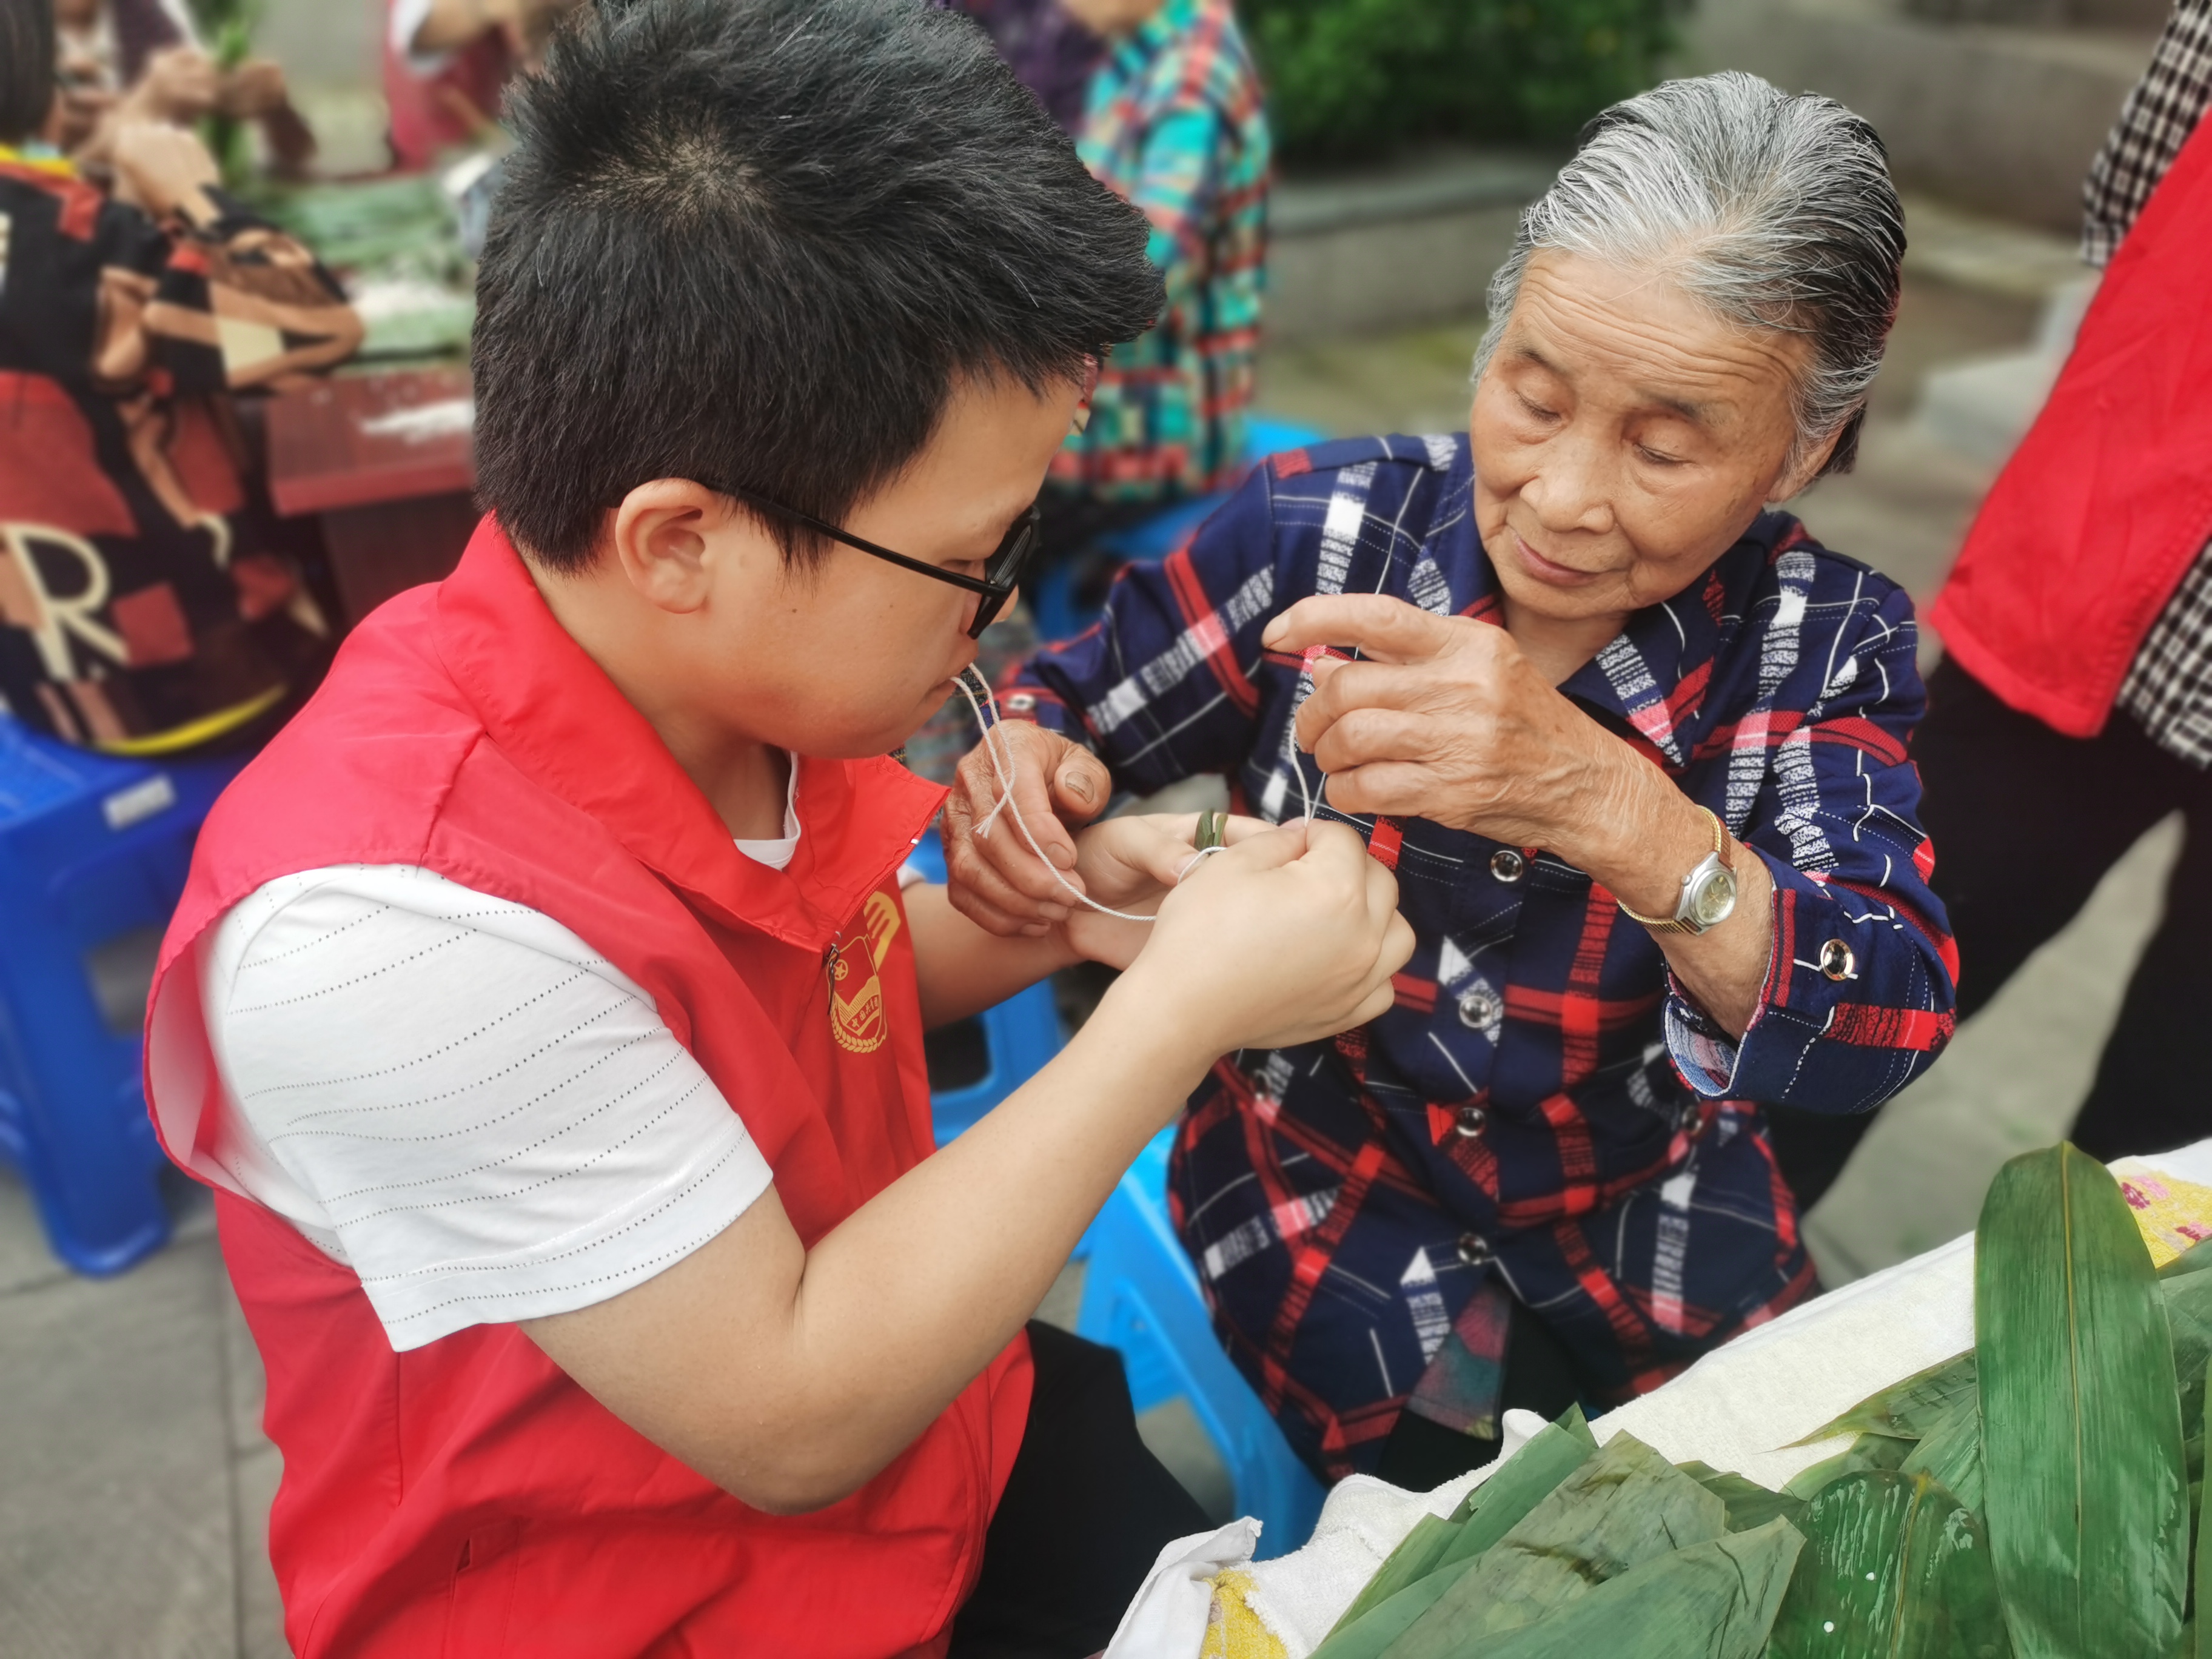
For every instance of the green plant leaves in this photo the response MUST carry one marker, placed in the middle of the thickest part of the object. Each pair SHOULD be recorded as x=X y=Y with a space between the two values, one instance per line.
x=1894 y=1567
x=1903 y=1410
x=2080 y=1420
x=1624 y=1507
x=1711 y=1601
x=1353 y=78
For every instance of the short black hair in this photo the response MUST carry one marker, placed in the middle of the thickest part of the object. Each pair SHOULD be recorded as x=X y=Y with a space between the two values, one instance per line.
x=754 y=243
x=26 y=67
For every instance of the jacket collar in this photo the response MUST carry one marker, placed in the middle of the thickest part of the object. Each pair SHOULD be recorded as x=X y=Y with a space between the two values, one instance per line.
x=553 y=713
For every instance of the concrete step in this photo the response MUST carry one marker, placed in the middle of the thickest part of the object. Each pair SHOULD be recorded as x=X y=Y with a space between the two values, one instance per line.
x=2004 y=118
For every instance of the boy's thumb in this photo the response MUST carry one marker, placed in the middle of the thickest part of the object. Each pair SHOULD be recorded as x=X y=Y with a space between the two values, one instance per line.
x=1285 y=844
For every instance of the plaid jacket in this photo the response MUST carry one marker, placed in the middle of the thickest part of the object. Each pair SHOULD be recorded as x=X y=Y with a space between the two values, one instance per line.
x=1174 y=124
x=1543 y=1110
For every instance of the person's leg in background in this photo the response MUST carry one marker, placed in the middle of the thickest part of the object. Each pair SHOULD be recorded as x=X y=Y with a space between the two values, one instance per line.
x=2151 y=1093
x=1087 y=1511
x=2024 y=822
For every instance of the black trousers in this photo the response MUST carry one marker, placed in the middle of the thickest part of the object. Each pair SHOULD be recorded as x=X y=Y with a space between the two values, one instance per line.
x=1540 y=1377
x=2026 y=822
x=1086 y=1510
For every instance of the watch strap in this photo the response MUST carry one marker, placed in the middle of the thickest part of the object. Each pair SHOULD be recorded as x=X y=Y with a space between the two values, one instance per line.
x=1675 y=923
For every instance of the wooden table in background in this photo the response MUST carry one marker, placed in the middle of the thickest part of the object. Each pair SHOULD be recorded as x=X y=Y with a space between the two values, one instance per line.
x=386 y=459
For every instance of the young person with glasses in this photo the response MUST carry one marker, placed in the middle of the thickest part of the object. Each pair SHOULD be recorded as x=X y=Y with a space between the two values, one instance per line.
x=545 y=1007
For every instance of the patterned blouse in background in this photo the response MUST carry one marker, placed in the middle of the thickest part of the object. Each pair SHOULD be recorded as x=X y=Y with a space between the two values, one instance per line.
x=139 y=613
x=1174 y=124
x=1544 y=1112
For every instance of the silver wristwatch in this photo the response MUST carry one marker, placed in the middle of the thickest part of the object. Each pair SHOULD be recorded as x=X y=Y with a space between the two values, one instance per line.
x=1708 y=891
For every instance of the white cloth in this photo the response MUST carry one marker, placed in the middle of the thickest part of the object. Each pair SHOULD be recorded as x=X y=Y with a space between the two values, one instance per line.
x=458 y=1098
x=1167 y=1615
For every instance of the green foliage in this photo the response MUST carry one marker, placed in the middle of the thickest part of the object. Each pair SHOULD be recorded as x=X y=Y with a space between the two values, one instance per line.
x=1352 y=79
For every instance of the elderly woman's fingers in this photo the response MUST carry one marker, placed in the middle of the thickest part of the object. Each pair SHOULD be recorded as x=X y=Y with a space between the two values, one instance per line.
x=984 y=848
x=1392 y=788
x=1364 y=736
x=1341 y=687
x=1378 y=626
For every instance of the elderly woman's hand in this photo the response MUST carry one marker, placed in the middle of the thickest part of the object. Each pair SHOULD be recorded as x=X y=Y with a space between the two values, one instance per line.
x=997 y=880
x=1444 y=719
x=1448 y=720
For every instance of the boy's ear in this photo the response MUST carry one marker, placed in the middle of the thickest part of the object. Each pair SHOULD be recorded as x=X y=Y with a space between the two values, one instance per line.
x=664 y=535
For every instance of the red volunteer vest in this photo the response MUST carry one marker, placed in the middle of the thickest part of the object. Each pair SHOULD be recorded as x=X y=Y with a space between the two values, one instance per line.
x=2098 y=516
x=466 y=1498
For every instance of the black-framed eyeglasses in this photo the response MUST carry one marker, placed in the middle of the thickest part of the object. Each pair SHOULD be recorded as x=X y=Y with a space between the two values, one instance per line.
x=1002 y=572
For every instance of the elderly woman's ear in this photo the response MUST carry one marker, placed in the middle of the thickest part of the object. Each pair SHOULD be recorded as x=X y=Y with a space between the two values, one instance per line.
x=1806 y=466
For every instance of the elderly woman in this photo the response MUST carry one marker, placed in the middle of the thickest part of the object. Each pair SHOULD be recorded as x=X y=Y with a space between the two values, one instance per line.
x=1635 y=746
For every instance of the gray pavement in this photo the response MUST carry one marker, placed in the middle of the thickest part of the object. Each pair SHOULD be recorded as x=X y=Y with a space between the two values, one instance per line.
x=134 y=1480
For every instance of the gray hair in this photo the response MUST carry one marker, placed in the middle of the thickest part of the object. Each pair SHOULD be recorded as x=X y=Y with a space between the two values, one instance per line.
x=1776 y=211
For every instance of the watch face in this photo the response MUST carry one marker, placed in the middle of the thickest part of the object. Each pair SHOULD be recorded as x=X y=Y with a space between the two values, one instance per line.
x=1712 y=896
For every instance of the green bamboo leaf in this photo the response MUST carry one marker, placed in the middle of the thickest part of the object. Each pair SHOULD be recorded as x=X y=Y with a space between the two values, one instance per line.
x=2195 y=1645
x=2188 y=1298
x=1374 y=1631
x=1903 y=1410
x=1894 y=1568
x=1517 y=1486
x=1415 y=1557
x=1716 y=1600
x=1624 y=1507
x=1868 y=1451
x=2194 y=1260
x=1950 y=1453
x=1750 y=1505
x=2081 y=1447
x=1532 y=1475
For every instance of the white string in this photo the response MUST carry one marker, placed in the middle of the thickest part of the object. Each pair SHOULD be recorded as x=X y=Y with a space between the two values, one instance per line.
x=1004 y=768
x=1191 y=863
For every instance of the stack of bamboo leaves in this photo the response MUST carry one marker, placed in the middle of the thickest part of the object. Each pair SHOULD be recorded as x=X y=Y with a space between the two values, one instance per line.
x=2033 y=1497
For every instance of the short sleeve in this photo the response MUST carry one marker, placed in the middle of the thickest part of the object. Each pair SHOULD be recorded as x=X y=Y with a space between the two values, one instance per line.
x=461 y=1100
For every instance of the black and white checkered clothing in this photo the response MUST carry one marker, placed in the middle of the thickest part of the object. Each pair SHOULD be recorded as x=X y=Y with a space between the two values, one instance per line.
x=2154 y=122
x=2168 y=688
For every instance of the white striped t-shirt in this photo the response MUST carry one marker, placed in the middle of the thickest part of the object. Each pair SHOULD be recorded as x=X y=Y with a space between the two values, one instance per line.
x=462 y=1101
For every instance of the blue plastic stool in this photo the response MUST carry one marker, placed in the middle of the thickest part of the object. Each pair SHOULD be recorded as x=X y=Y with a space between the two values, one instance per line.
x=1140 y=1296
x=1053 y=602
x=1019 y=1035
x=93 y=855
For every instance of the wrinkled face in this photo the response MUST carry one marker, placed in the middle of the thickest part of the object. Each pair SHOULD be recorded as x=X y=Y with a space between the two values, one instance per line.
x=1624 y=437
x=850 y=657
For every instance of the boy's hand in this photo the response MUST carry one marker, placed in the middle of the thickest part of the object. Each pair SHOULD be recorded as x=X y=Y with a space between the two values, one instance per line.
x=1291 y=936
x=1130 y=863
x=996 y=880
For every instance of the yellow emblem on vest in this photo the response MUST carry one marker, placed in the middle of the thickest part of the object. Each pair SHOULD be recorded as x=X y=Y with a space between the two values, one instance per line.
x=857 y=1020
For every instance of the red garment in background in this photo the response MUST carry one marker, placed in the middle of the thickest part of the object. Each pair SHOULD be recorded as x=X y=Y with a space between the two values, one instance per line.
x=466 y=1498
x=429 y=112
x=2102 y=509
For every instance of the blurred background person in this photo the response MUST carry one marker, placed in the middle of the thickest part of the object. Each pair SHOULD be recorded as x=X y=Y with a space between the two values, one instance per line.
x=1049 y=51
x=2073 y=708
x=146 y=51
x=446 y=64
x=141 y=611
x=1173 y=121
